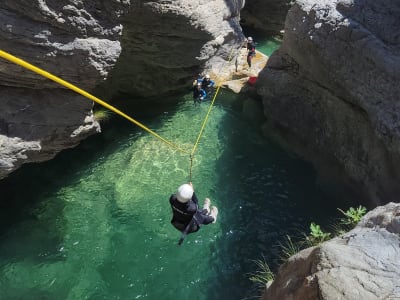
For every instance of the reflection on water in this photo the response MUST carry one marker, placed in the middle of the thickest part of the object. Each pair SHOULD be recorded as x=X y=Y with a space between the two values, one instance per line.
x=94 y=222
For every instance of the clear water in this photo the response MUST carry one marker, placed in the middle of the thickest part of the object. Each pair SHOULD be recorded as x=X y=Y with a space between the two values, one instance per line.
x=94 y=223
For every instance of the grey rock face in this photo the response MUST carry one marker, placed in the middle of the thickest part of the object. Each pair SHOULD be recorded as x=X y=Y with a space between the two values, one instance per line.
x=166 y=43
x=267 y=15
x=362 y=264
x=332 y=89
x=74 y=40
x=109 y=46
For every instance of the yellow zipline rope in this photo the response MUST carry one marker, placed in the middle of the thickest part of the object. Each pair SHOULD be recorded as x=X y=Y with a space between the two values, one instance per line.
x=211 y=105
x=70 y=86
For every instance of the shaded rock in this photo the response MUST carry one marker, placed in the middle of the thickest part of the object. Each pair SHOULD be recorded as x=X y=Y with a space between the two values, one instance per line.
x=267 y=15
x=331 y=91
x=362 y=264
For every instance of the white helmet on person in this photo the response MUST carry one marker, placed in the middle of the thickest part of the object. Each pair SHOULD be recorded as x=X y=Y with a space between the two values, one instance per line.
x=184 y=193
x=208 y=76
x=250 y=39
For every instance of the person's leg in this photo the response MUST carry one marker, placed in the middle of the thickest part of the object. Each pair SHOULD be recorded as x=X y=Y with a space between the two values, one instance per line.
x=206 y=206
x=249 y=57
x=214 y=213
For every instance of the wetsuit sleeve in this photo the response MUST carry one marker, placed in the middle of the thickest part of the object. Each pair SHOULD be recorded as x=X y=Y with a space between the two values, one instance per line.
x=203 y=93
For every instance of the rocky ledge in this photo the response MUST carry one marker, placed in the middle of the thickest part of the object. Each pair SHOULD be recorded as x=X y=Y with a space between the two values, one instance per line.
x=362 y=264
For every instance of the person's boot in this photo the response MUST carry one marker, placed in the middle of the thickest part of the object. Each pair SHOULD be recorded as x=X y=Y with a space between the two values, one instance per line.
x=206 y=206
x=214 y=213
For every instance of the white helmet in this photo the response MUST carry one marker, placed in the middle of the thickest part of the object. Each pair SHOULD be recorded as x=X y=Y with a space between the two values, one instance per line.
x=184 y=193
x=208 y=76
x=250 y=39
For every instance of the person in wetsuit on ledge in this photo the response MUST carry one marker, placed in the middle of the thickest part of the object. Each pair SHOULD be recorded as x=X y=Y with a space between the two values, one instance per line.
x=187 y=217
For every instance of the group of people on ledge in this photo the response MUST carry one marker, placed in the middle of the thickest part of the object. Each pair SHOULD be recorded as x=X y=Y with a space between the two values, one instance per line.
x=202 y=86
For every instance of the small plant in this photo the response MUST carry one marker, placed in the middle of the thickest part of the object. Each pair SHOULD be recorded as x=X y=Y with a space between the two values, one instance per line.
x=353 y=215
x=317 y=236
x=263 y=274
x=101 y=115
x=288 y=248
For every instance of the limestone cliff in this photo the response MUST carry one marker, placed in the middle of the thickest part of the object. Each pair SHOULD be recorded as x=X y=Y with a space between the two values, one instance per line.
x=362 y=264
x=332 y=90
x=111 y=46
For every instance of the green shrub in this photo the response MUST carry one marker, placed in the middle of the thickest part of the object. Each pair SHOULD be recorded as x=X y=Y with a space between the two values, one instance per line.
x=353 y=215
x=288 y=248
x=317 y=236
x=263 y=274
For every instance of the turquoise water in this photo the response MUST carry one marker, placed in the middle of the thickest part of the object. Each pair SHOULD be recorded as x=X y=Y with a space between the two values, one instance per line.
x=94 y=223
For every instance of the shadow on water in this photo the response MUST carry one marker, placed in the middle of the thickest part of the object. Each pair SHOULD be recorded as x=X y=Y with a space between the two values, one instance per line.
x=270 y=195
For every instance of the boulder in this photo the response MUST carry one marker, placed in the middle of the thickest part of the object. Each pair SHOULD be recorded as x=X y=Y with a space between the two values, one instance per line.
x=362 y=264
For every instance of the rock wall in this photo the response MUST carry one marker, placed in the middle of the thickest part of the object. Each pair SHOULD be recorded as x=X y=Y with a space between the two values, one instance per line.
x=362 y=264
x=266 y=15
x=166 y=43
x=108 y=47
x=332 y=90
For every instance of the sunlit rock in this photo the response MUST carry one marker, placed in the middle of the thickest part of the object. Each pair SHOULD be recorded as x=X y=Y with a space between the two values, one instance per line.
x=362 y=264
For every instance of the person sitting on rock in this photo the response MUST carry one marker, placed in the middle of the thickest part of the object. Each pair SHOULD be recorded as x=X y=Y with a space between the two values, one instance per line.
x=187 y=217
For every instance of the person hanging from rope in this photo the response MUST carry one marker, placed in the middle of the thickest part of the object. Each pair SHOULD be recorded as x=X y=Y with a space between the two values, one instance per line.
x=251 y=50
x=187 y=217
x=199 y=94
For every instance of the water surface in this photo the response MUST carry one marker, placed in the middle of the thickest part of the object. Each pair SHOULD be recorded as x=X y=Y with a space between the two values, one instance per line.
x=94 y=223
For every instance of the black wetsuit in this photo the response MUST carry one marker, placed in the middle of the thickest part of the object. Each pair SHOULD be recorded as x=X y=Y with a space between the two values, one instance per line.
x=186 y=213
x=251 y=47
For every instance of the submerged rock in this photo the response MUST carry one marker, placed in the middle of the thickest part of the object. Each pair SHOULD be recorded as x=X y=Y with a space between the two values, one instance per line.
x=332 y=91
x=362 y=264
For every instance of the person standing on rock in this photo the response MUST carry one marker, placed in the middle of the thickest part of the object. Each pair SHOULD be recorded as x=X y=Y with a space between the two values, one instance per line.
x=251 y=50
x=187 y=217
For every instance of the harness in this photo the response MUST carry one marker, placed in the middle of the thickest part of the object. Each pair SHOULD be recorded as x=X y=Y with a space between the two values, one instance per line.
x=185 y=231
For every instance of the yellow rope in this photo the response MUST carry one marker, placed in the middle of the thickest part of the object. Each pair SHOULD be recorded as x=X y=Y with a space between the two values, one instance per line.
x=74 y=88
x=70 y=86
x=210 y=107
